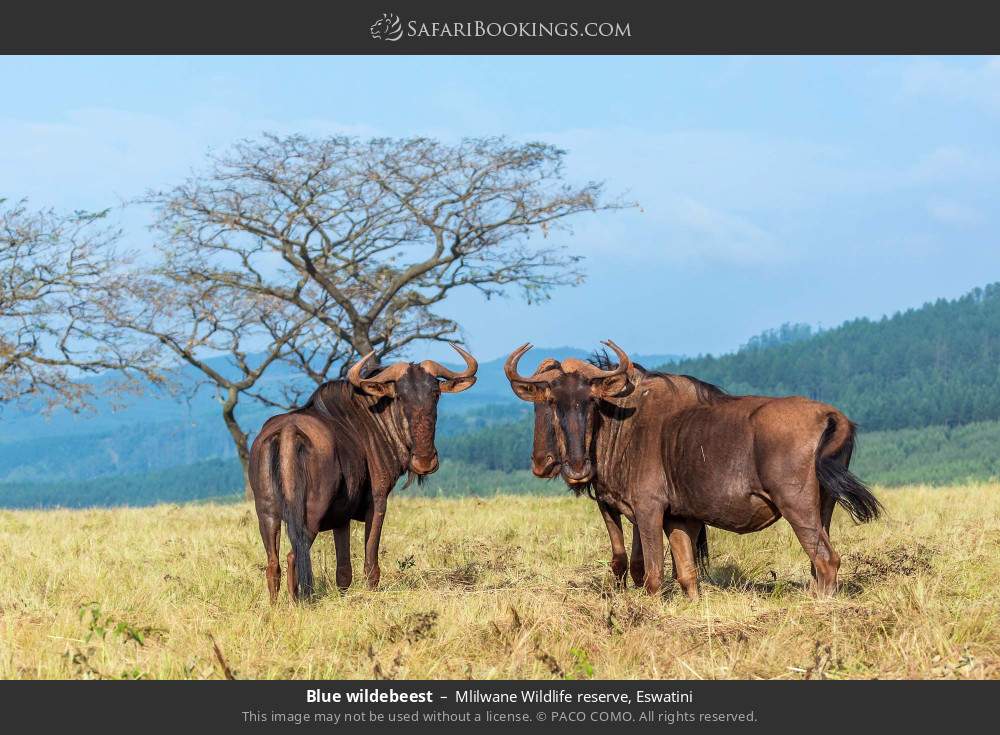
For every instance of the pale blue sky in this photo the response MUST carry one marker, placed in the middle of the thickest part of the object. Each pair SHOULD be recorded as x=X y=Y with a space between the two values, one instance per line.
x=772 y=189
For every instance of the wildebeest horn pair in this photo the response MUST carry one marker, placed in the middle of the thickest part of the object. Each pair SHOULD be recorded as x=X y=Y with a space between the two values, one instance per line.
x=607 y=382
x=453 y=382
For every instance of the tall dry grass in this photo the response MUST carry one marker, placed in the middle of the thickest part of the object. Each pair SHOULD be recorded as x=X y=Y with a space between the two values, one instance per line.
x=505 y=587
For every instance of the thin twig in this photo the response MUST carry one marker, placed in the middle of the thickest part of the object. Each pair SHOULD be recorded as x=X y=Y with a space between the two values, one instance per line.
x=226 y=671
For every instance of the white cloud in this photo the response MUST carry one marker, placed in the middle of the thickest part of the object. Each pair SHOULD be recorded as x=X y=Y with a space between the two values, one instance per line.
x=95 y=156
x=694 y=230
x=715 y=196
x=721 y=196
x=955 y=81
x=951 y=212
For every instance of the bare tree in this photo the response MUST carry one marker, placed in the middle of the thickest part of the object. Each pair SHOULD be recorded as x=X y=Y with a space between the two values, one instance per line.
x=231 y=337
x=52 y=268
x=368 y=238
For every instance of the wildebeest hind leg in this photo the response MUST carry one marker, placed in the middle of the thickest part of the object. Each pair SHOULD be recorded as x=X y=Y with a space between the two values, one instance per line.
x=682 y=535
x=802 y=507
x=342 y=542
x=270 y=532
x=826 y=516
x=619 y=558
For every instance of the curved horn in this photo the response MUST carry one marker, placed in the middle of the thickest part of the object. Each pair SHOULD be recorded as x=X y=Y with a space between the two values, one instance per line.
x=543 y=374
x=624 y=363
x=388 y=375
x=354 y=374
x=440 y=371
x=510 y=366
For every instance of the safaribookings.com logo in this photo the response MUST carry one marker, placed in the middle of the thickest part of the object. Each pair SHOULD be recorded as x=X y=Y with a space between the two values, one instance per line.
x=390 y=28
x=387 y=28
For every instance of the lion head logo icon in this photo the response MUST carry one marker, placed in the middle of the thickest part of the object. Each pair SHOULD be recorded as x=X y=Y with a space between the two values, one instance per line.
x=387 y=28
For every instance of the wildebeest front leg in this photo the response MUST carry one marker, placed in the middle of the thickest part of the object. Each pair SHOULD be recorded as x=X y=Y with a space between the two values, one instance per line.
x=682 y=534
x=637 y=565
x=619 y=557
x=649 y=521
x=342 y=542
x=373 y=534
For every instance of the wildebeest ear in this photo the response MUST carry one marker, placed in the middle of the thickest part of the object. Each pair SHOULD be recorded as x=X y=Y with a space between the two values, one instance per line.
x=614 y=387
x=379 y=389
x=531 y=392
x=458 y=384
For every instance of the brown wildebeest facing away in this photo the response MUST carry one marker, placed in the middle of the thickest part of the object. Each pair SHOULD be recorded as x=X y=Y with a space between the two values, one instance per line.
x=337 y=458
x=671 y=452
x=546 y=465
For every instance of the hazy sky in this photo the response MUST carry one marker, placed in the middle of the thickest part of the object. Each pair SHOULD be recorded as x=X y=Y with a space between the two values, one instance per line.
x=772 y=189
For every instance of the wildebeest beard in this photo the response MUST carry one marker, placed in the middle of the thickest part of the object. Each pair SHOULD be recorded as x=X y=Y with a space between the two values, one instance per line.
x=411 y=476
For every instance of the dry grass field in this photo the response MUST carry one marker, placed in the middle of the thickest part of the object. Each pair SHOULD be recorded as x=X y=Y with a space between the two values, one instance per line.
x=507 y=588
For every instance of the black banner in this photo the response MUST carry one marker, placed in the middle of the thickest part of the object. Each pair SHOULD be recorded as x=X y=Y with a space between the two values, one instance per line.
x=530 y=706
x=446 y=26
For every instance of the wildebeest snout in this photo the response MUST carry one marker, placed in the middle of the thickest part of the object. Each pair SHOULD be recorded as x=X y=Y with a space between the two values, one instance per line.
x=577 y=473
x=424 y=466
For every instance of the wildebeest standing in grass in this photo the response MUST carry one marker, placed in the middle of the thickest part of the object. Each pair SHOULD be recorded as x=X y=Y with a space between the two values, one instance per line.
x=546 y=465
x=671 y=452
x=337 y=458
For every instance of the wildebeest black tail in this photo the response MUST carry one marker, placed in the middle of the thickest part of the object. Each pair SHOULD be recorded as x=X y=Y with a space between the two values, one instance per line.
x=835 y=478
x=287 y=469
x=701 y=552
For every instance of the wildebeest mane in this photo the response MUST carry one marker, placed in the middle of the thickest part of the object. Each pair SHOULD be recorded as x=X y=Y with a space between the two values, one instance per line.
x=367 y=438
x=706 y=392
x=600 y=358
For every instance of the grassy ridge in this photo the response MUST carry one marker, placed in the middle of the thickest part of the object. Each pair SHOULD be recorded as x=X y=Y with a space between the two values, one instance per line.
x=934 y=455
x=507 y=587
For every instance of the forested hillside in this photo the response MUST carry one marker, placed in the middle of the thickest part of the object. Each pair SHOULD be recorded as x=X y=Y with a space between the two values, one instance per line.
x=939 y=364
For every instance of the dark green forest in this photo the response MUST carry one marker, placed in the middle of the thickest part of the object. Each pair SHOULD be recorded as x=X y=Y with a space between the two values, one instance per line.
x=936 y=365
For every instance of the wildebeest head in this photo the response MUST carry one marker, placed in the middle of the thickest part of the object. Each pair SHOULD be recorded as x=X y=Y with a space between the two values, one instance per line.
x=566 y=396
x=544 y=454
x=417 y=388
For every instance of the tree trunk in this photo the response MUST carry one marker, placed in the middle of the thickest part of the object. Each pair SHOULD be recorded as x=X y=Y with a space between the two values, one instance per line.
x=239 y=438
x=361 y=341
